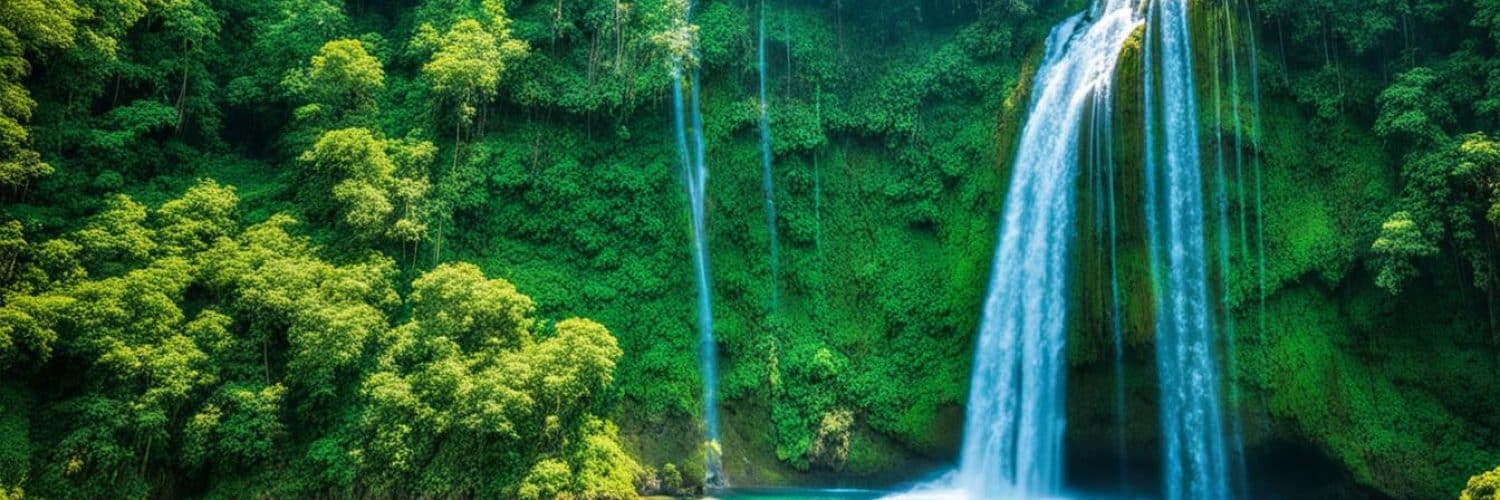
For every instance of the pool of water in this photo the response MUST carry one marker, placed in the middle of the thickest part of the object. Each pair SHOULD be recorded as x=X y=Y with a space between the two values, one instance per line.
x=753 y=493
x=936 y=489
x=862 y=494
x=1278 y=470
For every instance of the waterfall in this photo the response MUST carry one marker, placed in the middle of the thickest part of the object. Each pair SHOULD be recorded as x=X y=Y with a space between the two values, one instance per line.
x=1192 y=427
x=1014 y=427
x=1260 y=221
x=1102 y=190
x=1223 y=45
x=1239 y=136
x=1255 y=131
x=1230 y=333
x=1255 y=142
x=765 y=158
x=689 y=129
x=1117 y=328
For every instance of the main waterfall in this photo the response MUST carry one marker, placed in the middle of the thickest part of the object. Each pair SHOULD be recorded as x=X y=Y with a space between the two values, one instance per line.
x=1013 y=440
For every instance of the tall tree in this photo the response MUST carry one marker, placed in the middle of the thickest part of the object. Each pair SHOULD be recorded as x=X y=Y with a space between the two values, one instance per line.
x=340 y=82
x=465 y=386
x=28 y=28
x=468 y=62
x=380 y=185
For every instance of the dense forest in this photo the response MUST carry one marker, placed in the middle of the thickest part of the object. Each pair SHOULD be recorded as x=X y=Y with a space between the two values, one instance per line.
x=442 y=248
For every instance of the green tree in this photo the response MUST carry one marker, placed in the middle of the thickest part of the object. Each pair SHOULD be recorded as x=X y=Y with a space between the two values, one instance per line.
x=457 y=302
x=601 y=467
x=343 y=72
x=1485 y=486
x=341 y=81
x=575 y=364
x=549 y=478
x=28 y=328
x=165 y=369
x=831 y=447
x=380 y=185
x=198 y=219
x=1413 y=109
x=1487 y=16
x=285 y=34
x=467 y=64
x=239 y=426
x=27 y=28
x=466 y=68
x=350 y=153
x=192 y=26
x=1451 y=201
x=465 y=378
x=116 y=237
x=1361 y=25
x=671 y=479
x=1400 y=241
x=324 y=313
x=142 y=369
x=1479 y=167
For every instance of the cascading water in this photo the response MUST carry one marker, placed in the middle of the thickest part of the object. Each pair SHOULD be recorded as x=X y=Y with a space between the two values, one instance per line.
x=1255 y=131
x=689 y=129
x=1104 y=136
x=1192 y=428
x=1260 y=216
x=1106 y=241
x=1013 y=440
x=1230 y=15
x=765 y=158
x=1224 y=47
x=1239 y=136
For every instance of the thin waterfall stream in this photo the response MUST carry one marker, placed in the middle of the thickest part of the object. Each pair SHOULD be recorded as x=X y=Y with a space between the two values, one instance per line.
x=1231 y=334
x=1196 y=465
x=1223 y=45
x=768 y=183
x=688 y=124
x=1105 y=136
x=1255 y=142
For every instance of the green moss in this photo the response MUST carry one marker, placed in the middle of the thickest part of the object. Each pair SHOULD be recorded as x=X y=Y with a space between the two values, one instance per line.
x=1395 y=437
x=15 y=437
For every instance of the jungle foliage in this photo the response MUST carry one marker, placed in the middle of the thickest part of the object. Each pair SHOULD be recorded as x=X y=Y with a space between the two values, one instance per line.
x=316 y=247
